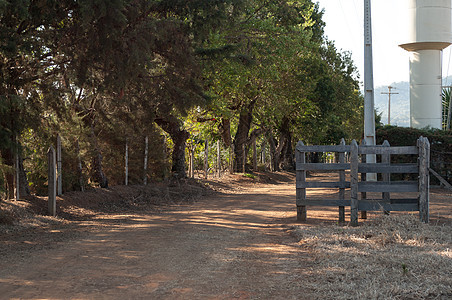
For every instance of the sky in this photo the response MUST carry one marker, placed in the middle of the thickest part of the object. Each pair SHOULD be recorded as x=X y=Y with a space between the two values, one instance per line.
x=344 y=25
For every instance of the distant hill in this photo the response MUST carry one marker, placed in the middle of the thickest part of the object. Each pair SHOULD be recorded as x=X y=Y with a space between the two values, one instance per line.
x=400 y=103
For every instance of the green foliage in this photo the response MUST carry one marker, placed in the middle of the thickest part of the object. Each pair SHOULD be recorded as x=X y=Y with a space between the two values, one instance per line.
x=99 y=71
x=36 y=144
x=292 y=72
x=446 y=100
x=404 y=136
x=4 y=169
x=252 y=176
x=440 y=146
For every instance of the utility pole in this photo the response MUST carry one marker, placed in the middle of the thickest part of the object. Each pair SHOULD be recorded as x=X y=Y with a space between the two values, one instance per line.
x=389 y=93
x=369 y=113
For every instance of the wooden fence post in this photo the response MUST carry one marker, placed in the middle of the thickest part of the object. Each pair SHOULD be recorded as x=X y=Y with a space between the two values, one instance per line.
x=301 y=192
x=254 y=156
x=17 y=175
x=244 y=159
x=145 y=164
x=59 y=167
x=231 y=159
x=52 y=180
x=79 y=167
x=354 y=184
x=206 y=159
x=424 y=178
x=219 y=158
x=386 y=159
x=192 y=161
x=126 y=182
x=342 y=180
x=272 y=167
x=363 y=213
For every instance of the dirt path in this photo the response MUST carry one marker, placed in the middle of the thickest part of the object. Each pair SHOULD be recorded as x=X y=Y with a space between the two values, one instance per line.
x=224 y=247
x=236 y=245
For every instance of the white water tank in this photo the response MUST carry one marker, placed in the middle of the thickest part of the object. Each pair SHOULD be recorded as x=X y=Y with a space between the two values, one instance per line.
x=431 y=32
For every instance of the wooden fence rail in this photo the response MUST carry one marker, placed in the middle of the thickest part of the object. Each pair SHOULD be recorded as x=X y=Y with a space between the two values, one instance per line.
x=356 y=166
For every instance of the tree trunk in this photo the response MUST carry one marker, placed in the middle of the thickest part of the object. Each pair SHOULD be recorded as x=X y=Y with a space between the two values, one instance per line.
x=8 y=160
x=173 y=127
x=8 y=121
x=225 y=131
x=241 y=137
x=285 y=154
x=79 y=167
x=24 y=187
x=98 y=173
x=274 y=157
x=282 y=153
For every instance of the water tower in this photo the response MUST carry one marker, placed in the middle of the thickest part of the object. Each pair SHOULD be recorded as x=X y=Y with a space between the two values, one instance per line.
x=431 y=32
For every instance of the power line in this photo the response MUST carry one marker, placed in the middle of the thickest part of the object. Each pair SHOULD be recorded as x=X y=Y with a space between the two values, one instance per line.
x=356 y=13
x=345 y=18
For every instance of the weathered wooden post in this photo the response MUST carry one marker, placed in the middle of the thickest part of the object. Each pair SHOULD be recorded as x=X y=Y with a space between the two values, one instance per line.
x=231 y=159
x=17 y=176
x=424 y=178
x=254 y=156
x=145 y=164
x=342 y=180
x=59 y=167
x=192 y=161
x=206 y=159
x=386 y=160
x=363 y=213
x=219 y=158
x=79 y=167
x=354 y=183
x=52 y=180
x=244 y=159
x=17 y=171
x=126 y=168
x=300 y=158
x=272 y=167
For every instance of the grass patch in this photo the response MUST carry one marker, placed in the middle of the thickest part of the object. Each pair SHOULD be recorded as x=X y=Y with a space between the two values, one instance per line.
x=390 y=257
x=249 y=175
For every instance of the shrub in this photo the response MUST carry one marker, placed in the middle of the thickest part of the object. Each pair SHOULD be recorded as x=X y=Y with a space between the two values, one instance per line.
x=440 y=146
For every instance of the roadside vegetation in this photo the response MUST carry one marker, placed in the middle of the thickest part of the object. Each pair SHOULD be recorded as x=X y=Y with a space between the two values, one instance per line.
x=105 y=73
x=387 y=257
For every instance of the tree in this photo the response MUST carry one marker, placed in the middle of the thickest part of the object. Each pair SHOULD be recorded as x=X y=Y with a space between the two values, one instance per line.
x=25 y=57
x=98 y=71
x=447 y=104
x=273 y=72
x=251 y=58
x=87 y=67
x=125 y=57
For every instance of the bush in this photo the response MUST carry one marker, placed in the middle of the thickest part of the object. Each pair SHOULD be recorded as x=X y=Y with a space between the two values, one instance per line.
x=440 y=146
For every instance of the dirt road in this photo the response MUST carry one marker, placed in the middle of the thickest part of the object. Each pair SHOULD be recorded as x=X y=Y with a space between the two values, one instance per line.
x=235 y=245
x=232 y=246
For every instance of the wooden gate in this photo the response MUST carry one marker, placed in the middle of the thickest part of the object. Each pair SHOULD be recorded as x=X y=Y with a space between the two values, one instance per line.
x=357 y=185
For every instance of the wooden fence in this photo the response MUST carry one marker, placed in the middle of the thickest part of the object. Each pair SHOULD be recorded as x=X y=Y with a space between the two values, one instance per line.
x=357 y=165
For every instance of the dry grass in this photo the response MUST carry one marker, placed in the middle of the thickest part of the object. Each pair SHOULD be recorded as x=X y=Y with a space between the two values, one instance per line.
x=390 y=257
x=18 y=215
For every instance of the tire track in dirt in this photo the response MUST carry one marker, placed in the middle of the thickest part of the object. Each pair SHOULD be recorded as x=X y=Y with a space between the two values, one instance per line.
x=223 y=247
